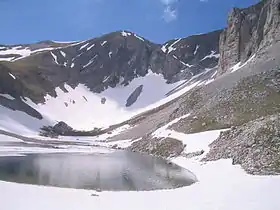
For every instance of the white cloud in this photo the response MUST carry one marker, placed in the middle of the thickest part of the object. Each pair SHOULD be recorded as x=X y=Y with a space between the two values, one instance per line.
x=170 y=12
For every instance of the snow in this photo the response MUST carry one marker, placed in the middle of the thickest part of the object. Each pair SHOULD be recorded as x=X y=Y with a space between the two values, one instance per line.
x=54 y=57
x=42 y=50
x=16 y=51
x=7 y=96
x=138 y=37
x=81 y=114
x=12 y=75
x=20 y=122
x=212 y=55
x=239 y=65
x=221 y=186
x=90 y=62
x=164 y=131
x=215 y=73
x=163 y=48
x=171 y=47
x=84 y=46
x=196 y=49
x=63 y=53
x=103 y=43
x=72 y=65
x=174 y=56
x=185 y=64
x=7 y=59
x=110 y=54
x=22 y=52
x=91 y=46
x=64 y=42
x=125 y=34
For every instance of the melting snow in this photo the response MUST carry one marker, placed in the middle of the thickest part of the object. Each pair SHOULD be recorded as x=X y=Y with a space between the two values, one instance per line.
x=90 y=62
x=239 y=65
x=54 y=57
x=163 y=48
x=196 y=49
x=171 y=47
x=12 y=75
x=103 y=43
x=16 y=51
x=7 y=59
x=125 y=34
x=110 y=54
x=63 y=54
x=84 y=46
x=138 y=37
x=90 y=47
x=82 y=115
x=7 y=96
x=212 y=55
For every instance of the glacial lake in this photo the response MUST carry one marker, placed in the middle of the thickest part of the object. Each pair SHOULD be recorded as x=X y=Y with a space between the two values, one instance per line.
x=115 y=171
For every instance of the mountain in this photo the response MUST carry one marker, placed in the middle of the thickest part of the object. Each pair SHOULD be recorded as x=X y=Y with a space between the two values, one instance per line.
x=128 y=88
x=119 y=72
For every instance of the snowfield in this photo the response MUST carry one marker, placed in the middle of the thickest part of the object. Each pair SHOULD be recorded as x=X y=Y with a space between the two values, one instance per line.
x=221 y=186
x=83 y=110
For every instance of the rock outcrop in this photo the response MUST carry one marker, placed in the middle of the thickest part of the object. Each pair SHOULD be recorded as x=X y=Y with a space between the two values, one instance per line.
x=133 y=97
x=249 y=30
x=161 y=147
x=255 y=146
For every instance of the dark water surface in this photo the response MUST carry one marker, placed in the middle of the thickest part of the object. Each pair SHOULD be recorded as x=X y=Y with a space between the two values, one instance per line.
x=117 y=171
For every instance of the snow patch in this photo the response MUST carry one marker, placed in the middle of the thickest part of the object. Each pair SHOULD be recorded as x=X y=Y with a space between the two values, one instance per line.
x=110 y=54
x=7 y=96
x=7 y=59
x=138 y=37
x=90 y=62
x=103 y=43
x=212 y=55
x=171 y=47
x=125 y=34
x=239 y=65
x=163 y=48
x=90 y=47
x=12 y=75
x=63 y=54
x=196 y=49
x=55 y=58
x=84 y=46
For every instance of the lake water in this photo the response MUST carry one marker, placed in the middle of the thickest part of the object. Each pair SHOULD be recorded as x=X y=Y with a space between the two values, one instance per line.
x=116 y=171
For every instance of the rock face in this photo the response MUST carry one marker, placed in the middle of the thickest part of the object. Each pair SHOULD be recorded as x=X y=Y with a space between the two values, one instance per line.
x=133 y=97
x=196 y=53
x=249 y=30
x=255 y=146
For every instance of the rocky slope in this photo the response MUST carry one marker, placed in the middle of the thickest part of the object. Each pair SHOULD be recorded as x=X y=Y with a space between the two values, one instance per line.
x=103 y=62
x=254 y=145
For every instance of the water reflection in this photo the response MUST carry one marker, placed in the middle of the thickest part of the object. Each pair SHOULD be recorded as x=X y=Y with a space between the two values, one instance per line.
x=116 y=171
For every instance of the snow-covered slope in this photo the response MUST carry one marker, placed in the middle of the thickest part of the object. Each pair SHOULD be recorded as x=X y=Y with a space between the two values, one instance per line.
x=82 y=109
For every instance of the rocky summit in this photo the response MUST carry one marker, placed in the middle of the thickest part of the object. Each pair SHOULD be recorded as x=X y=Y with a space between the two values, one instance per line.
x=121 y=86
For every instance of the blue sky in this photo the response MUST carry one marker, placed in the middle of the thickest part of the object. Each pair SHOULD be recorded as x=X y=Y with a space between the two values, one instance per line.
x=66 y=20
